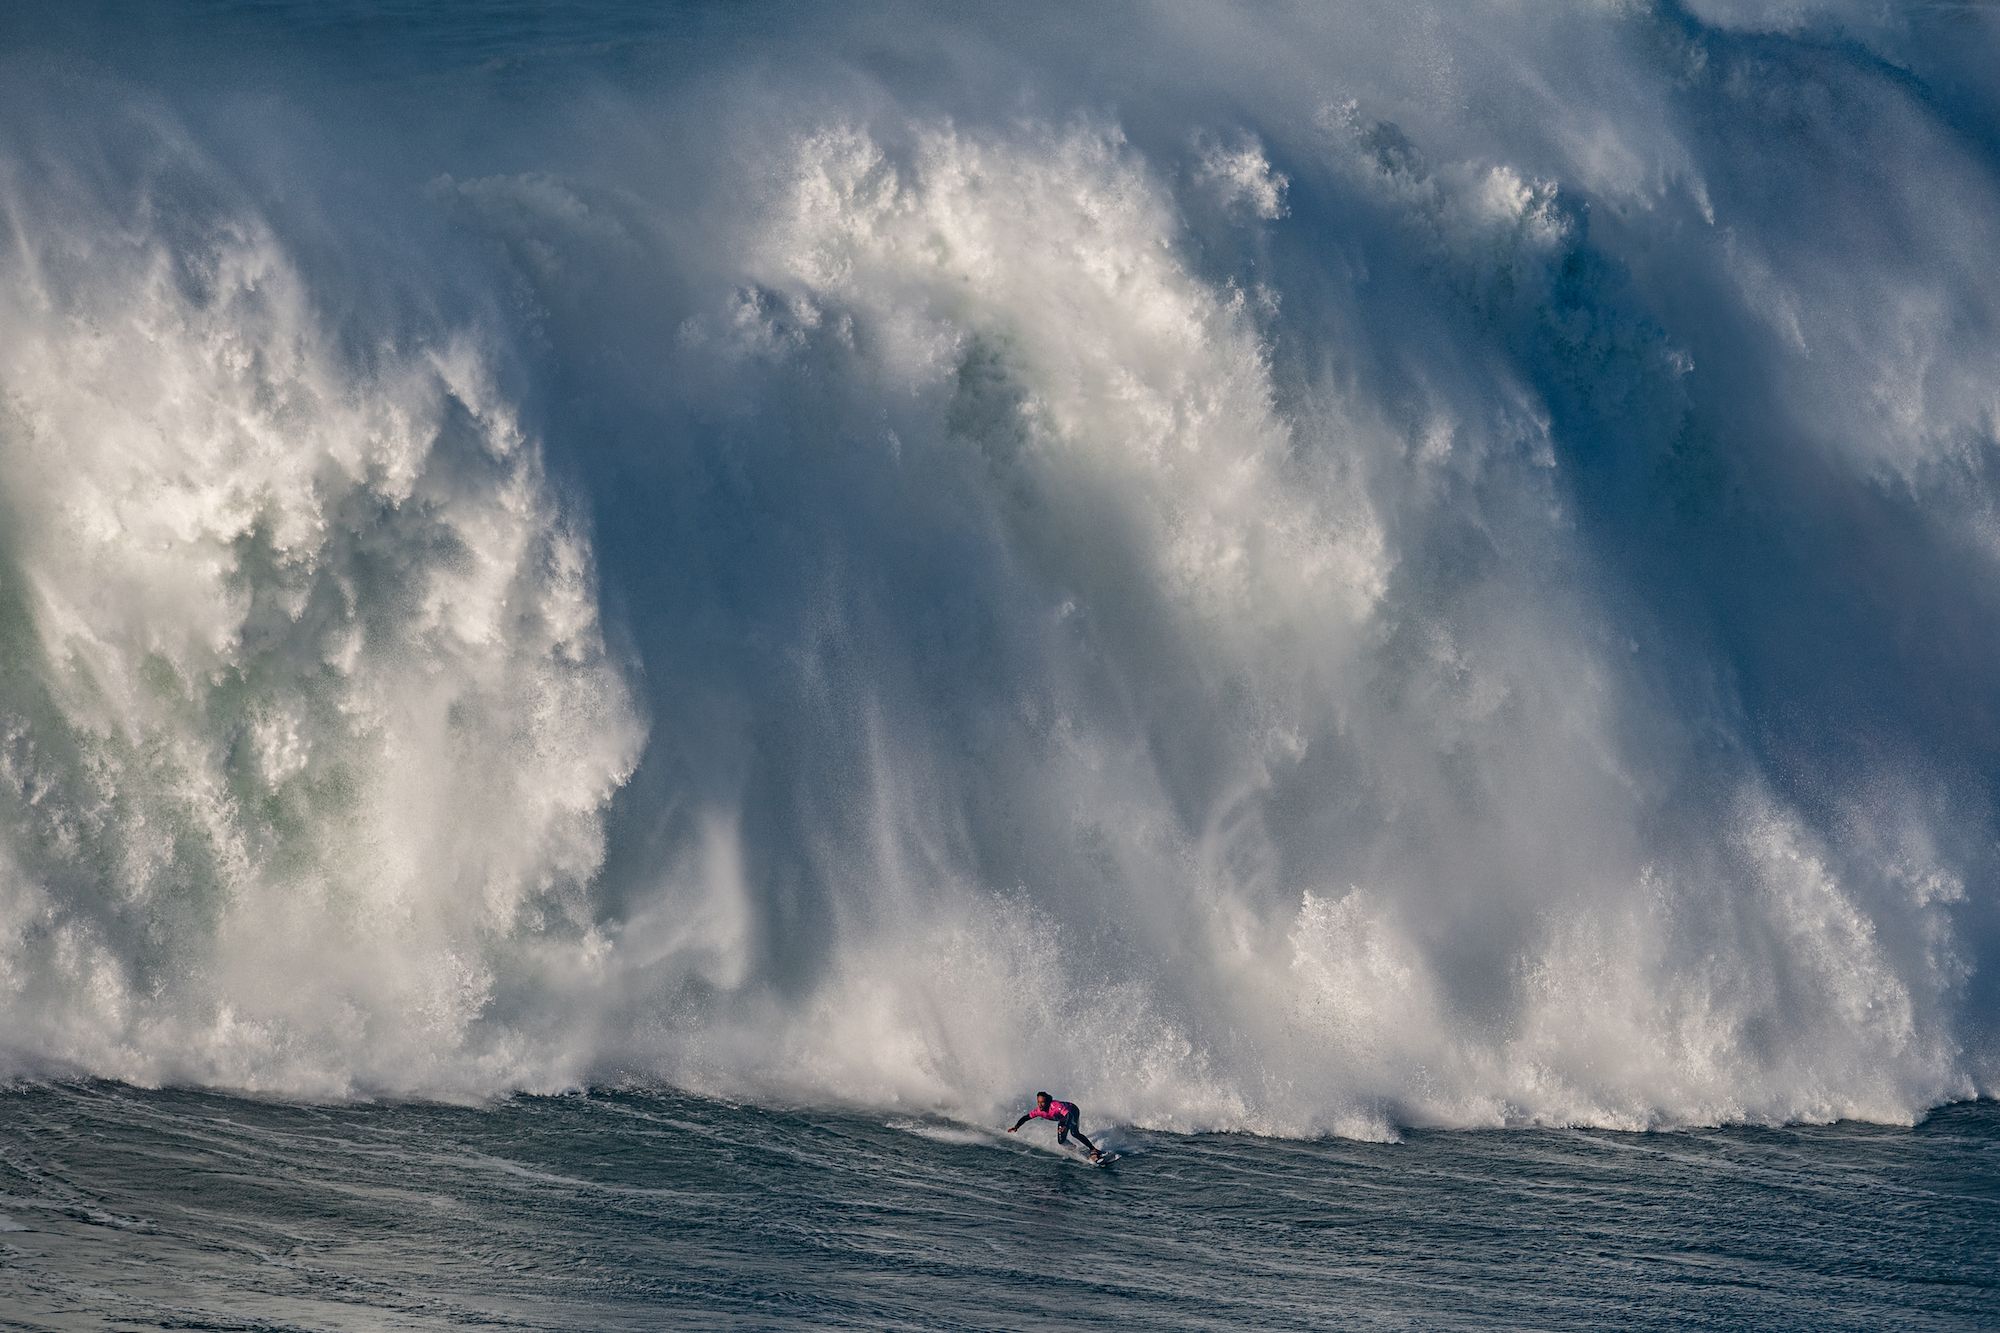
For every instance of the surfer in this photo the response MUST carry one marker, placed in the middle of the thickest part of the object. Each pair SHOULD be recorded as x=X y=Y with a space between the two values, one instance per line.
x=1068 y=1117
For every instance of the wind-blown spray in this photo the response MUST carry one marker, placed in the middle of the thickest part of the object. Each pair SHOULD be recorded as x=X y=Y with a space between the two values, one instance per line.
x=1446 y=579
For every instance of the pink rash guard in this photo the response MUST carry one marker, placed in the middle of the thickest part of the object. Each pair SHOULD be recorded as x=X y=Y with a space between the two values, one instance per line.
x=1068 y=1121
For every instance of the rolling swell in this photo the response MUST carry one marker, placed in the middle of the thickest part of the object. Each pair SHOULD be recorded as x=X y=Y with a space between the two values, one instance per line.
x=1427 y=570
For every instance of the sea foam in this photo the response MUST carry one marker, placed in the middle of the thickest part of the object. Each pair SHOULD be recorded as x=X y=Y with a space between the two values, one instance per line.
x=1383 y=571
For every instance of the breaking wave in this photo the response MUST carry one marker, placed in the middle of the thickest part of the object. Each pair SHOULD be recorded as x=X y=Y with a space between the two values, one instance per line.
x=1433 y=568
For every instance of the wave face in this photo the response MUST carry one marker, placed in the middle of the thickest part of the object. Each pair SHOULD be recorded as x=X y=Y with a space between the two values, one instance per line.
x=1307 y=573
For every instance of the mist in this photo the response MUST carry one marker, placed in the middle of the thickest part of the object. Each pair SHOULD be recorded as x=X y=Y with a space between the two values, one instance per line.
x=1276 y=570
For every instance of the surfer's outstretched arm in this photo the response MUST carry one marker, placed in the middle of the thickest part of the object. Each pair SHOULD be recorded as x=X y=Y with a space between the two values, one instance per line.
x=1018 y=1123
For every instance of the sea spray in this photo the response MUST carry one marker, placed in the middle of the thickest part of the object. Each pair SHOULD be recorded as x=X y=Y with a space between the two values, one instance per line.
x=309 y=725
x=1385 y=570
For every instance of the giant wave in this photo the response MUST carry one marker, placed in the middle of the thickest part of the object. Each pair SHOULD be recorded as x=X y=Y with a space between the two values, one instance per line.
x=1331 y=572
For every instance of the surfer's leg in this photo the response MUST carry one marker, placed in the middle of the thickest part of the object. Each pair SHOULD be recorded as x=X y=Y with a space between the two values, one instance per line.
x=1073 y=1124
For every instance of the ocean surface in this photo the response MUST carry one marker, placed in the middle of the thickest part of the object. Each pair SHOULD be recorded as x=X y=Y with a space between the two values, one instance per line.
x=139 y=1209
x=1401 y=599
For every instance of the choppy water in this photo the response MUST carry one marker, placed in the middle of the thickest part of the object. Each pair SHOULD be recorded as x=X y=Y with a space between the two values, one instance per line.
x=636 y=1210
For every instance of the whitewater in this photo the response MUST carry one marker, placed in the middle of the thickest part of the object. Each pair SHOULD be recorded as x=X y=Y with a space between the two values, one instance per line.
x=1311 y=571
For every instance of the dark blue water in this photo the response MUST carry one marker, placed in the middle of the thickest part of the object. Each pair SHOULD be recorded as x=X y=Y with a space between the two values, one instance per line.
x=140 y=1209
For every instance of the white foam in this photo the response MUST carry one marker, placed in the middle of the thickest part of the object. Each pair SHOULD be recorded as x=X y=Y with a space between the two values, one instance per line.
x=306 y=681
x=1455 y=600
x=937 y=1133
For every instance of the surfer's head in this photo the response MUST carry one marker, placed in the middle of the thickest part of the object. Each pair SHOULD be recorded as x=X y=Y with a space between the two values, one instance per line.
x=1042 y=1100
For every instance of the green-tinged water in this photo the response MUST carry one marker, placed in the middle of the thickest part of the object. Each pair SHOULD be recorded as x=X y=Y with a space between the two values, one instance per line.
x=1288 y=572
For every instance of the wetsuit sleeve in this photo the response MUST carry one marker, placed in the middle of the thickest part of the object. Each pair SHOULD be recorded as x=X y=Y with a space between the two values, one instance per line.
x=1022 y=1121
